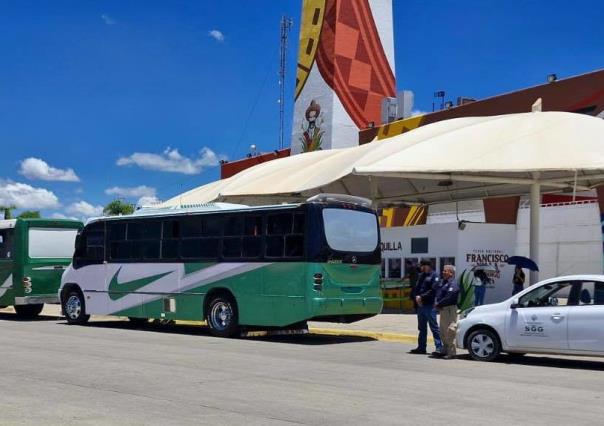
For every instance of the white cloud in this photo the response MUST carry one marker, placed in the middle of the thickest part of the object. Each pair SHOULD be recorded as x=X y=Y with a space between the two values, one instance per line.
x=35 y=168
x=134 y=192
x=84 y=209
x=147 y=201
x=172 y=161
x=108 y=19
x=25 y=196
x=62 y=216
x=216 y=35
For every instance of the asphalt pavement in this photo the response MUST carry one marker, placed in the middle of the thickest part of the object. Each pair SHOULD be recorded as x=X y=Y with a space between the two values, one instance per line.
x=110 y=372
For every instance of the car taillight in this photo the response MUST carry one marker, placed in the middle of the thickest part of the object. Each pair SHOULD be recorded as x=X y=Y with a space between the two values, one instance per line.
x=26 y=284
x=317 y=281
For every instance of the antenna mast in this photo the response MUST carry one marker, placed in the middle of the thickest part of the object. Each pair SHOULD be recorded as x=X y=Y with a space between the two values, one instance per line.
x=286 y=24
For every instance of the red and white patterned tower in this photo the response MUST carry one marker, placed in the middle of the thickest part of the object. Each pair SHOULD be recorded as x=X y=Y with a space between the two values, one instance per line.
x=345 y=69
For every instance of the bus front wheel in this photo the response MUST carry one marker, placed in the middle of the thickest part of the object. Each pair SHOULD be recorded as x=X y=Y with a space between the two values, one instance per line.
x=222 y=316
x=74 y=308
x=28 y=311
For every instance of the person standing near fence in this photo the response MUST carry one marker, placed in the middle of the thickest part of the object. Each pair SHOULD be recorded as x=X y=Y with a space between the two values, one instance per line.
x=425 y=290
x=446 y=303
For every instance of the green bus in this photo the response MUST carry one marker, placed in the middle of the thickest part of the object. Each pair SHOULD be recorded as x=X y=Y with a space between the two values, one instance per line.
x=234 y=266
x=33 y=255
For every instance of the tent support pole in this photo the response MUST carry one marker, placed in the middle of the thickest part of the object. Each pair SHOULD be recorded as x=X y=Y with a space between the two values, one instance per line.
x=373 y=187
x=535 y=202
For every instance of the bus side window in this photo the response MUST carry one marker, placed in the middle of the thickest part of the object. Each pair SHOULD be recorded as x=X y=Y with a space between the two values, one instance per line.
x=170 y=240
x=144 y=236
x=6 y=239
x=285 y=235
x=91 y=248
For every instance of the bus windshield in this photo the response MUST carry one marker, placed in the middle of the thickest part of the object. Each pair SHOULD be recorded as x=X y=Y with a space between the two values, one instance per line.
x=350 y=230
x=51 y=242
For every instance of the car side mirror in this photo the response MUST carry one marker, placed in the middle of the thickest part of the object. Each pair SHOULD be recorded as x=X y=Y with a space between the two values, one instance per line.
x=514 y=304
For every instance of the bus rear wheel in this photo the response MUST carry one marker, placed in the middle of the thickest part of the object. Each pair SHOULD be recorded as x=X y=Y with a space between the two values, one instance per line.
x=222 y=316
x=74 y=308
x=28 y=311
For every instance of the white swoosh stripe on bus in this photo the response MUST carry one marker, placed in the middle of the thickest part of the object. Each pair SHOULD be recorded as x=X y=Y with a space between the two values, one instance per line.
x=197 y=279
x=6 y=285
x=218 y=272
x=46 y=268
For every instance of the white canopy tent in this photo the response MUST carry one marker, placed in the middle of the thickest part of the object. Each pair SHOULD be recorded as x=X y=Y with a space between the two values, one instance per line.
x=452 y=160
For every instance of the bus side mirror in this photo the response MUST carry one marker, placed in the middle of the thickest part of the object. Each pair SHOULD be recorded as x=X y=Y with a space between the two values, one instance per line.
x=514 y=304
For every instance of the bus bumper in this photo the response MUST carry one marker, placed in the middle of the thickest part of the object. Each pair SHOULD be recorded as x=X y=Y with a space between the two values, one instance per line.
x=36 y=300
x=336 y=306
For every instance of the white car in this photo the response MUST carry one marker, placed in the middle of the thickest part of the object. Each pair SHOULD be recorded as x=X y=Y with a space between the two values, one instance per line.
x=563 y=315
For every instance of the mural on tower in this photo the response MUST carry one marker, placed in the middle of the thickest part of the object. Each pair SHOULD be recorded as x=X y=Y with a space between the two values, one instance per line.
x=345 y=68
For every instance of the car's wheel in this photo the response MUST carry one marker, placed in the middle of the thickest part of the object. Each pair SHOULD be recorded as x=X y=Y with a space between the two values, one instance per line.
x=28 y=311
x=222 y=316
x=74 y=308
x=483 y=345
x=138 y=321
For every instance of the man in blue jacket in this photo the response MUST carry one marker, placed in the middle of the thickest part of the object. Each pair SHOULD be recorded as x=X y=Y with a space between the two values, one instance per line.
x=425 y=289
x=446 y=302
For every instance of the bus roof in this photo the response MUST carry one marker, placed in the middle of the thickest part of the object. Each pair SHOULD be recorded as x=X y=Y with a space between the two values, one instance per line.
x=191 y=209
x=8 y=223
x=11 y=223
x=187 y=209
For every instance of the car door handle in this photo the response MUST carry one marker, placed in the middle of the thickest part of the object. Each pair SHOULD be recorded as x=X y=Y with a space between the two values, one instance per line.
x=557 y=317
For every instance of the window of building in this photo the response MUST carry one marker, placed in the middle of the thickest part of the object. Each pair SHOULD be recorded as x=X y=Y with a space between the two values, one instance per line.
x=394 y=268
x=419 y=245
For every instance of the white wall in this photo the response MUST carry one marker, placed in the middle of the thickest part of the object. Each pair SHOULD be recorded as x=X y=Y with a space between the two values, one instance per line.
x=571 y=239
x=571 y=242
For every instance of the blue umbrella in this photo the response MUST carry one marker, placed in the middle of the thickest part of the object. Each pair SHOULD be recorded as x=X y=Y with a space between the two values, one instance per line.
x=523 y=262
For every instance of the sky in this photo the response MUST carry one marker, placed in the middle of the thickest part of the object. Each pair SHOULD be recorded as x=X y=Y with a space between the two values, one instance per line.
x=140 y=100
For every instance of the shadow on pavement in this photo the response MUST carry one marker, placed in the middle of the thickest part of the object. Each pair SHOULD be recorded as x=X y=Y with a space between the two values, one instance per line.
x=314 y=339
x=199 y=330
x=546 y=361
x=11 y=316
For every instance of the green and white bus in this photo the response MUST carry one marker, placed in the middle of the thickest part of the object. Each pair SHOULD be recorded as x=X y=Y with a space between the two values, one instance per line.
x=232 y=265
x=33 y=255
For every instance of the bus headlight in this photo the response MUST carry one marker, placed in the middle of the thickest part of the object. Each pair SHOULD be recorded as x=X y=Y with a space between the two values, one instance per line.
x=465 y=313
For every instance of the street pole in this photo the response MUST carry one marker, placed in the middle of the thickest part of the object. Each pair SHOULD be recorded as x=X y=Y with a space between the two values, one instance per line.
x=535 y=202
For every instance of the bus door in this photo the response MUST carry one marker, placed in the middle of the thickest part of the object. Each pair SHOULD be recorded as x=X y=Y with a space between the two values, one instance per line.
x=6 y=266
